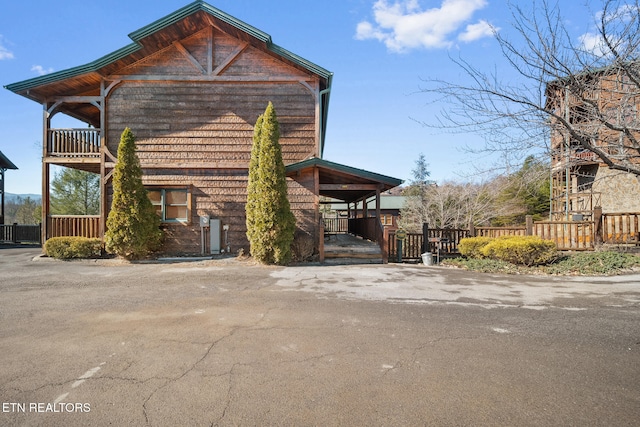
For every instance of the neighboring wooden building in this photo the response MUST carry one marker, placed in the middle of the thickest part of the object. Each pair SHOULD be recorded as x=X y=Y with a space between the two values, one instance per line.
x=581 y=181
x=5 y=164
x=190 y=87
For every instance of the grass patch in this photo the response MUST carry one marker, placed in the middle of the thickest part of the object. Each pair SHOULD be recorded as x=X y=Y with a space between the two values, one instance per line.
x=483 y=265
x=605 y=263
x=594 y=263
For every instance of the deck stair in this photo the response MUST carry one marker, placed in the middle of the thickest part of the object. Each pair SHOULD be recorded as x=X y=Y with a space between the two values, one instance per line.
x=349 y=249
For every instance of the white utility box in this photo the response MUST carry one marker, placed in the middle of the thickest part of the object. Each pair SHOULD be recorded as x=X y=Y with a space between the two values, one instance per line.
x=214 y=236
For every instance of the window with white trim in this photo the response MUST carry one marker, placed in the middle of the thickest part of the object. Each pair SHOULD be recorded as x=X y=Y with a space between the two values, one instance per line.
x=171 y=204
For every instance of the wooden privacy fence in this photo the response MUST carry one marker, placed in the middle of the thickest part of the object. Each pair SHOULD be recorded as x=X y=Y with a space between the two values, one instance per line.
x=498 y=231
x=621 y=228
x=567 y=235
x=438 y=240
x=78 y=225
x=16 y=233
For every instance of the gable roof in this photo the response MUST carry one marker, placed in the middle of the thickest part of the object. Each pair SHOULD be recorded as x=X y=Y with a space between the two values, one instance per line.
x=85 y=80
x=343 y=182
x=5 y=163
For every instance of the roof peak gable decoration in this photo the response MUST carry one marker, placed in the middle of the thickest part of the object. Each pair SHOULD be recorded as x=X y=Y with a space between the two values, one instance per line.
x=164 y=33
x=208 y=53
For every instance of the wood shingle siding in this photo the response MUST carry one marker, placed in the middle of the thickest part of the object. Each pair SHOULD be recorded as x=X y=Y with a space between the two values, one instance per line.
x=191 y=87
x=203 y=122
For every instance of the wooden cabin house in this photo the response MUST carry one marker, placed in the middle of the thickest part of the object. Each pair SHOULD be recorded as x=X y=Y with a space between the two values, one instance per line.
x=191 y=87
x=601 y=106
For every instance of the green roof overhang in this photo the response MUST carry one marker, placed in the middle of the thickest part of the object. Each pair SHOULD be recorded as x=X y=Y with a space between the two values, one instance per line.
x=5 y=163
x=343 y=182
x=158 y=25
x=27 y=88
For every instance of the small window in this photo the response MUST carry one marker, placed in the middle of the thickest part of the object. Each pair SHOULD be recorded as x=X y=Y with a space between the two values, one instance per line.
x=387 y=219
x=172 y=205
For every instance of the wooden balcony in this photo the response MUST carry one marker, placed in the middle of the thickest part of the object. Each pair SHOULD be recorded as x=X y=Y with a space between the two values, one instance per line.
x=560 y=160
x=73 y=143
x=77 y=148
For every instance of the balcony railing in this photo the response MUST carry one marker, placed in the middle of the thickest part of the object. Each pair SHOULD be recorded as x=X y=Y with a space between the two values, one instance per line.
x=73 y=143
x=73 y=225
x=575 y=157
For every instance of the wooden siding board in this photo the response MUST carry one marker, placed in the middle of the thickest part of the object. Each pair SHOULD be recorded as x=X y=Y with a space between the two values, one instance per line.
x=255 y=63
x=176 y=129
x=222 y=194
x=189 y=133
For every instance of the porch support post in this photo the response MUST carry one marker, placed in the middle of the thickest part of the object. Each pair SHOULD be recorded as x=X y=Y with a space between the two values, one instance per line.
x=318 y=217
x=1 y=196
x=378 y=205
x=46 y=124
x=103 y=160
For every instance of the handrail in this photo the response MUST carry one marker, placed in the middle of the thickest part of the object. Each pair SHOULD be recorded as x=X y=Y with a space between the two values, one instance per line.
x=73 y=142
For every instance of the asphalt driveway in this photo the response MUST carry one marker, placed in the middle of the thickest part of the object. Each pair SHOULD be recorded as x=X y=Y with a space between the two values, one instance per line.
x=227 y=342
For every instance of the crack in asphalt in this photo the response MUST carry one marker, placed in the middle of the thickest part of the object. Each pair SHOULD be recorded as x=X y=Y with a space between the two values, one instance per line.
x=208 y=351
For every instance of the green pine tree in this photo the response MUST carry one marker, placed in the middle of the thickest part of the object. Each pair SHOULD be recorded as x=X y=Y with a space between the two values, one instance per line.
x=253 y=198
x=270 y=222
x=132 y=225
x=75 y=192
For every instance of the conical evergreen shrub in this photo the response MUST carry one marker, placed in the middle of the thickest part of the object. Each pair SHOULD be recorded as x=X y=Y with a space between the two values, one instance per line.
x=270 y=222
x=132 y=225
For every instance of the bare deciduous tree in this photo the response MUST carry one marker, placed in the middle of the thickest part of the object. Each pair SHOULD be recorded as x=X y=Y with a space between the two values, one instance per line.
x=450 y=205
x=553 y=87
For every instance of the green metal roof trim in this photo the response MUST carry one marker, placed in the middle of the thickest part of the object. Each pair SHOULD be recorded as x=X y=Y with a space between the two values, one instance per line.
x=294 y=167
x=190 y=9
x=5 y=163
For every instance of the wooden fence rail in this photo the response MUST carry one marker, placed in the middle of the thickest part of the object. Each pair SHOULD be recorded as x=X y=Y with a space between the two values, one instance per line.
x=438 y=240
x=78 y=225
x=621 y=228
x=336 y=225
x=19 y=233
x=567 y=235
x=500 y=231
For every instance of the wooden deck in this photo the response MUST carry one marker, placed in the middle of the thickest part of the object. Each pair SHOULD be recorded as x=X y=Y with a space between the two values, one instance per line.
x=350 y=249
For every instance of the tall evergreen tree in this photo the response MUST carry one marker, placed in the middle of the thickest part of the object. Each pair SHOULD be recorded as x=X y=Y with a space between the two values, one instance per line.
x=270 y=222
x=75 y=192
x=525 y=192
x=253 y=197
x=132 y=225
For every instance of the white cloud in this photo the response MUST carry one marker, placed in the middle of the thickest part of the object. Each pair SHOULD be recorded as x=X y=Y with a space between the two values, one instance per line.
x=591 y=42
x=477 y=31
x=404 y=25
x=4 y=52
x=41 y=70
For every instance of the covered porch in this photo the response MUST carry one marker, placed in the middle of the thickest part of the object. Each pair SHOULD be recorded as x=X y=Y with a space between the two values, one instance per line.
x=353 y=186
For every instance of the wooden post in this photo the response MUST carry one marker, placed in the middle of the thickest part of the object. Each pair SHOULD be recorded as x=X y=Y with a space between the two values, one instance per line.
x=321 y=245
x=529 y=225
x=472 y=230
x=46 y=124
x=15 y=232
x=385 y=245
x=1 y=196
x=425 y=238
x=597 y=225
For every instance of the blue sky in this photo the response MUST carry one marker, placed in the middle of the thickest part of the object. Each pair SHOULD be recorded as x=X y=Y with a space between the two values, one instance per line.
x=378 y=50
